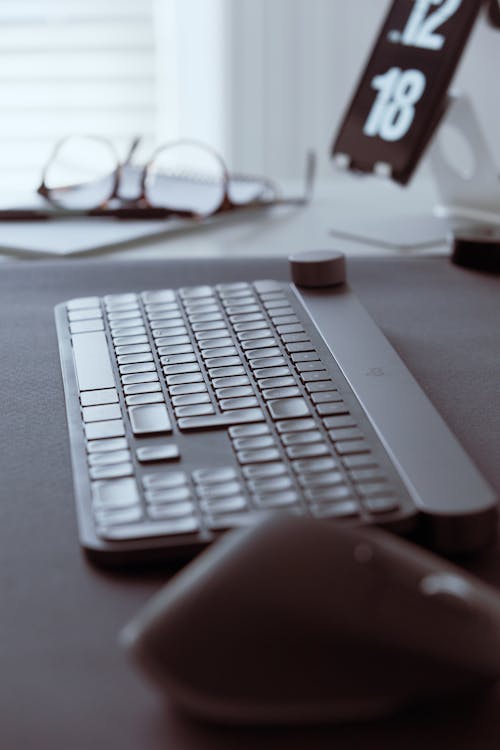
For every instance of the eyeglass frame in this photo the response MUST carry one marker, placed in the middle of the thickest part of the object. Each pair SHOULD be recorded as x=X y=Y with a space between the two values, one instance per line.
x=141 y=208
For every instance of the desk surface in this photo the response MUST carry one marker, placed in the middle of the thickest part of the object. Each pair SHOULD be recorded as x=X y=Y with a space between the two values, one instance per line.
x=65 y=683
x=362 y=205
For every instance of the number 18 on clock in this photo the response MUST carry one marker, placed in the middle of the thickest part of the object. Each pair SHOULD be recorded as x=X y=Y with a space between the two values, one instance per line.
x=402 y=93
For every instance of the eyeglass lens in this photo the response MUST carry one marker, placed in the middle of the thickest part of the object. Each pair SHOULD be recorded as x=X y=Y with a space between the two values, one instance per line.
x=186 y=176
x=81 y=173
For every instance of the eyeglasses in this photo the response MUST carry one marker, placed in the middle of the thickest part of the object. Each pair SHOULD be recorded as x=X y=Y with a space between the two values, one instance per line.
x=185 y=179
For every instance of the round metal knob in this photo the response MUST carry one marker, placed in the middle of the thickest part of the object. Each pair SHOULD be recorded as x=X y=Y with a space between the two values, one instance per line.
x=318 y=268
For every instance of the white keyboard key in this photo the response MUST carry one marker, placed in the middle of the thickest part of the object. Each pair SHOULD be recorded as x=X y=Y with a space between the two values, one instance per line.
x=109 y=444
x=158 y=296
x=92 y=361
x=171 y=527
x=212 y=362
x=259 y=471
x=186 y=388
x=88 y=314
x=120 y=299
x=168 y=452
x=214 y=343
x=132 y=349
x=83 y=303
x=271 y=393
x=127 y=323
x=163 y=497
x=249 y=430
x=118 y=518
x=83 y=326
x=142 y=388
x=245 y=402
x=133 y=359
x=112 y=471
x=149 y=418
x=171 y=510
x=180 y=369
x=165 y=480
x=109 y=457
x=219 y=490
x=138 y=367
x=184 y=378
x=230 y=504
x=196 y=410
x=214 y=476
x=129 y=340
x=128 y=331
x=119 y=493
x=104 y=396
x=139 y=378
x=101 y=413
x=99 y=430
x=145 y=398
x=258 y=456
x=195 y=292
x=288 y=408
x=259 y=441
x=220 y=421
x=189 y=399
x=235 y=392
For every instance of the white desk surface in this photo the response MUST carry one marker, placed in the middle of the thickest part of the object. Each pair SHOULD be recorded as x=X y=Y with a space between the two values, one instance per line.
x=340 y=201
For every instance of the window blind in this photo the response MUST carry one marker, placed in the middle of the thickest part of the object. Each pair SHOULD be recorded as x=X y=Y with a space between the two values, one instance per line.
x=72 y=66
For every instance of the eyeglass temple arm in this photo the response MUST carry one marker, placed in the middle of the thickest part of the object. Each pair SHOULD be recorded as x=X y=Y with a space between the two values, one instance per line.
x=310 y=175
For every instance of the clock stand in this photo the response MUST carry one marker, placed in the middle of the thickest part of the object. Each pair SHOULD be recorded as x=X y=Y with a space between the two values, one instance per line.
x=401 y=111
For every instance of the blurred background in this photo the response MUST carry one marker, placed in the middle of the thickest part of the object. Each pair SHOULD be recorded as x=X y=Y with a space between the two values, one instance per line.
x=262 y=80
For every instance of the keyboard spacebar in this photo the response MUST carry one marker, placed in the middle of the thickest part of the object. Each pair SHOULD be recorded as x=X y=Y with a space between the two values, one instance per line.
x=92 y=362
x=234 y=416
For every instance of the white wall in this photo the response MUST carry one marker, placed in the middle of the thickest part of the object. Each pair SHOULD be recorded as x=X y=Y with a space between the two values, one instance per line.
x=192 y=64
x=292 y=66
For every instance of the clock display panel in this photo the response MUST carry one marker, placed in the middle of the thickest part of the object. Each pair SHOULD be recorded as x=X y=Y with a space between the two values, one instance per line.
x=402 y=92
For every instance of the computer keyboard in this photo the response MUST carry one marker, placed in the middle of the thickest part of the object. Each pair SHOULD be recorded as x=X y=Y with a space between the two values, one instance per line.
x=197 y=410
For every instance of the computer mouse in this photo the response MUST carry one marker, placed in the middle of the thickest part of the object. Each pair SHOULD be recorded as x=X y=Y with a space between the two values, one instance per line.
x=297 y=620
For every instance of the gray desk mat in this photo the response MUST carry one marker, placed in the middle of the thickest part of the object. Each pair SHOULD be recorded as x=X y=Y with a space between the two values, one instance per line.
x=64 y=682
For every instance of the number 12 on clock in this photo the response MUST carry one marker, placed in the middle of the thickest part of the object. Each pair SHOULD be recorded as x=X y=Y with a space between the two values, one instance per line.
x=424 y=20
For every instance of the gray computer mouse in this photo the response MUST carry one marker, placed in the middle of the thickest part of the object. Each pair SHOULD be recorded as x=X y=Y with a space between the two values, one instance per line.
x=298 y=620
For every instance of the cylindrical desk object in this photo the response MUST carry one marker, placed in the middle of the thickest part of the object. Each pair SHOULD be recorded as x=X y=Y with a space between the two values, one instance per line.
x=494 y=13
x=477 y=248
x=318 y=268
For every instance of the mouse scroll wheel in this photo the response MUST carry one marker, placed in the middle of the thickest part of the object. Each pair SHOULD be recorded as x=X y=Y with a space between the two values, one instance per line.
x=448 y=587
